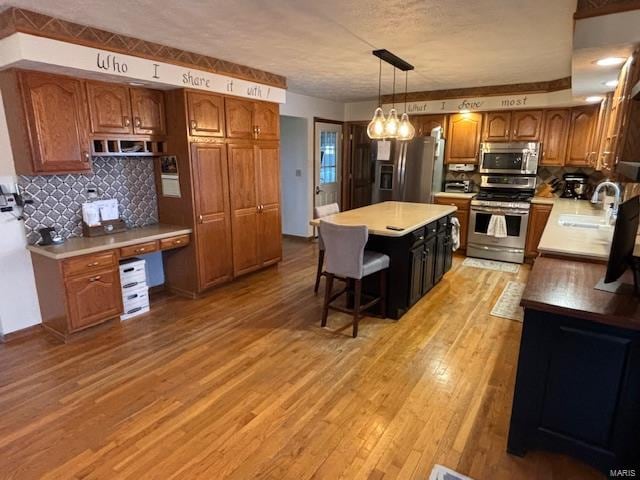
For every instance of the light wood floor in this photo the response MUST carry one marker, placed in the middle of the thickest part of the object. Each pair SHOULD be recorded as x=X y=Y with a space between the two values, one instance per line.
x=244 y=384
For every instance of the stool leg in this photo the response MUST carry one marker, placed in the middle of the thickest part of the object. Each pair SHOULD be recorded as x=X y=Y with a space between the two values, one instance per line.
x=383 y=293
x=327 y=297
x=319 y=271
x=356 y=305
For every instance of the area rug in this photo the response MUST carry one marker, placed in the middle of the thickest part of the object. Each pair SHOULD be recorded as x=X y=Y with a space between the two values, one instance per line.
x=443 y=473
x=491 y=265
x=508 y=305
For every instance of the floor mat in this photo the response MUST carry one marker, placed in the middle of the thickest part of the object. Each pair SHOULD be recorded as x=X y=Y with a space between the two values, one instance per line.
x=508 y=305
x=491 y=265
x=443 y=473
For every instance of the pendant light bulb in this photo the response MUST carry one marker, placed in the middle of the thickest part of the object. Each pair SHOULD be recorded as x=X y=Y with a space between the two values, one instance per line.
x=392 y=124
x=406 y=131
x=376 y=127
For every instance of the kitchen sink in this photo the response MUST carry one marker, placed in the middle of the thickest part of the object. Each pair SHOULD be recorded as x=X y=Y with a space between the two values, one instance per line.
x=582 y=221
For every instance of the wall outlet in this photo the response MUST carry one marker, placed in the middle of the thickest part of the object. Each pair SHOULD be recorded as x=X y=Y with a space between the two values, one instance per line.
x=92 y=192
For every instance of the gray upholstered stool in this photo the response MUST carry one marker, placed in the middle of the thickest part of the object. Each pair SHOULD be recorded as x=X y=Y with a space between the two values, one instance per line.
x=319 y=212
x=346 y=257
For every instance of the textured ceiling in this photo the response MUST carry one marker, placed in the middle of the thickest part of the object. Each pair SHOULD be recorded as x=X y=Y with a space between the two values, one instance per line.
x=323 y=47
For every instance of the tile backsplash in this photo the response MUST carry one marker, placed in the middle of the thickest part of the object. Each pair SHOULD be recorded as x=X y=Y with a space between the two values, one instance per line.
x=58 y=199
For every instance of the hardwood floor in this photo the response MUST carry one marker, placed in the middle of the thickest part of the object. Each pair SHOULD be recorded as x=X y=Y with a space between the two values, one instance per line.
x=243 y=383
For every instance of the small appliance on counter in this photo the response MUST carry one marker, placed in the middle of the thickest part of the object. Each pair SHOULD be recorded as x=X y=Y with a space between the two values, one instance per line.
x=576 y=185
x=458 y=186
x=49 y=237
x=461 y=167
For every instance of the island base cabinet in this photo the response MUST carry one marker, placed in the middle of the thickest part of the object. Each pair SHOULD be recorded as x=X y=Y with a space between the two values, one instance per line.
x=577 y=391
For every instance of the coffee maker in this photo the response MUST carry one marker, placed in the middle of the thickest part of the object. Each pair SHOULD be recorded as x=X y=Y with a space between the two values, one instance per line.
x=576 y=185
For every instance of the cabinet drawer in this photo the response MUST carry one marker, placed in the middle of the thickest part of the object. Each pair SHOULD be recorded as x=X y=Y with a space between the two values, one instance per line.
x=418 y=236
x=432 y=229
x=88 y=263
x=174 y=242
x=461 y=203
x=139 y=249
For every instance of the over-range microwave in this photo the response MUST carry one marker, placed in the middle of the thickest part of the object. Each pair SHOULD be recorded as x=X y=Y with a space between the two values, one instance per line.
x=519 y=158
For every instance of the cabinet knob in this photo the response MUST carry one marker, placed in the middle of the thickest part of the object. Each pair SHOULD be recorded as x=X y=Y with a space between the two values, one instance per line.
x=127 y=121
x=86 y=155
x=200 y=218
x=95 y=279
x=177 y=242
x=93 y=264
x=139 y=250
x=194 y=125
x=138 y=122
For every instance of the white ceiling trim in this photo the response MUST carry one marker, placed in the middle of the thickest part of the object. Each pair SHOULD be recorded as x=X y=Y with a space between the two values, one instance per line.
x=29 y=51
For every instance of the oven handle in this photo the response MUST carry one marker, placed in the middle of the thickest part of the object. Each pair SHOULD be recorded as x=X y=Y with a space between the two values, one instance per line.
x=498 y=249
x=499 y=211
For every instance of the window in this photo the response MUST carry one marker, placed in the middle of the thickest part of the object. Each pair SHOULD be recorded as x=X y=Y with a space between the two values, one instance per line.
x=328 y=146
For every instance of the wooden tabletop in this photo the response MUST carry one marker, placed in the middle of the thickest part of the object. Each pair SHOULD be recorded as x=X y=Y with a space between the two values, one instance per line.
x=377 y=217
x=567 y=288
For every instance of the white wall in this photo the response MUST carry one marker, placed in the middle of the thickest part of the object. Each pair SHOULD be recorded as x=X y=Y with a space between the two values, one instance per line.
x=359 y=111
x=306 y=107
x=293 y=178
x=18 y=298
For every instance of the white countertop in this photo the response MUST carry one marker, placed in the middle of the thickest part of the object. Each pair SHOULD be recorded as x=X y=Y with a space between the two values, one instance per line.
x=76 y=246
x=469 y=195
x=378 y=216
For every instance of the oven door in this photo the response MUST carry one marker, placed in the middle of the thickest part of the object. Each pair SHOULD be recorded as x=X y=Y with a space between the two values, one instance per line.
x=516 y=220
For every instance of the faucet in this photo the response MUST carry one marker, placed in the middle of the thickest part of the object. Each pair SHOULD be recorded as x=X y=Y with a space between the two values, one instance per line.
x=617 y=193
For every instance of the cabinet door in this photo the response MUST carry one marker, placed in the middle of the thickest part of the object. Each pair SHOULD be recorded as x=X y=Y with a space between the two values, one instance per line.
x=57 y=117
x=554 y=139
x=243 y=194
x=440 y=257
x=213 y=227
x=425 y=123
x=497 y=127
x=206 y=114
x=267 y=120
x=463 y=138
x=93 y=298
x=429 y=264
x=147 y=107
x=239 y=118
x=581 y=133
x=538 y=217
x=417 y=271
x=109 y=108
x=526 y=125
x=463 y=218
x=269 y=228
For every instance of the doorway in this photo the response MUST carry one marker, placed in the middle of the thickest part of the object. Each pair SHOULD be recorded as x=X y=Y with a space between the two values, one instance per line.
x=327 y=163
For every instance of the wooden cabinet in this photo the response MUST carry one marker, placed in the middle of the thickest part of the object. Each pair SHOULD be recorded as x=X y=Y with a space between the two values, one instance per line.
x=147 y=107
x=425 y=123
x=516 y=126
x=555 y=136
x=538 y=217
x=462 y=214
x=138 y=249
x=93 y=298
x=213 y=227
x=109 y=108
x=252 y=120
x=269 y=228
x=48 y=122
x=581 y=136
x=463 y=138
x=206 y=114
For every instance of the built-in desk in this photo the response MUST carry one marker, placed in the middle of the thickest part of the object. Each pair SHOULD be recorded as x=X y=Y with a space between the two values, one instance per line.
x=420 y=251
x=78 y=282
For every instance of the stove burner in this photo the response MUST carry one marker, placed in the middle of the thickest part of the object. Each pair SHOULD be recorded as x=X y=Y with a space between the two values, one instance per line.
x=505 y=195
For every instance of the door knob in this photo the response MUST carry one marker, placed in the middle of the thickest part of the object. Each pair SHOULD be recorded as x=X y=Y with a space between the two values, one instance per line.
x=318 y=190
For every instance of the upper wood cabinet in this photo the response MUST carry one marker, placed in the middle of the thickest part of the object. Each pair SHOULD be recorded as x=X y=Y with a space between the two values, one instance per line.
x=109 y=108
x=48 y=122
x=252 y=120
x=425 y=123
x=147 y=107
x=213 y=220
x=581 y=136
x=516 y=126
x=463 y=138
x=554 y=139
x=206 y=114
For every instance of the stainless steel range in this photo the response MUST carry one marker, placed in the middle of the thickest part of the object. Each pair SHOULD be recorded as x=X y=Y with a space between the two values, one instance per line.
x=507 y=197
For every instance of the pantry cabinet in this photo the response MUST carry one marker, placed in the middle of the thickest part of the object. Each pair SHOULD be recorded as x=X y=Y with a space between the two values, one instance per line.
x=581 y=137
x=555 y=136
x=206 y=114
x=463 y=138
x=48 y=122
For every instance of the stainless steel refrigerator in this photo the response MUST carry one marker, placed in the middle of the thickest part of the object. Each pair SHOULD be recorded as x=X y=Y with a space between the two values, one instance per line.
x=412 y=173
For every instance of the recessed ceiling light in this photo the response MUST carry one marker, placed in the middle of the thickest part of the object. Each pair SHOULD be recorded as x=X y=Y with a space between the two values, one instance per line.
x=594 y=99
x=608 y=61
x=611 y=83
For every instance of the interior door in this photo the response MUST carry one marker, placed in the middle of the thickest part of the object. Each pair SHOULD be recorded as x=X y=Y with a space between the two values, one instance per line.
x=206 y=114
x=269 y=227
x=210 y=174
x=361 y=168
x=243 y=193
x=328 y=159
x=148 y=111
x=109 y=108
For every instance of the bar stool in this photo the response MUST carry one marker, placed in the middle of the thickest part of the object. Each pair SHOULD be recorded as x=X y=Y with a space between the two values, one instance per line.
x=347 y=258
x=319 y=212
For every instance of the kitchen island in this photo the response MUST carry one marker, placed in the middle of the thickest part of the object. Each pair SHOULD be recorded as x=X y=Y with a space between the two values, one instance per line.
x=419 y=246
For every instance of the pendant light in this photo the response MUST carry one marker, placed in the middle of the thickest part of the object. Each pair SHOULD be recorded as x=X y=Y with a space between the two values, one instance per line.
x=376 y=127
x=406 y=131
x=392 y=123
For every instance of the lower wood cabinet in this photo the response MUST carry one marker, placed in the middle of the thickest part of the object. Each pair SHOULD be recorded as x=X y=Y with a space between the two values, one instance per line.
x=538 y=217
x=462 y=214
x=92 y=298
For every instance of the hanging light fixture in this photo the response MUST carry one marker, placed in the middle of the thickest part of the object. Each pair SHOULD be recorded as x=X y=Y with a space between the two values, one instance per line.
x=376 y=127
x=392 y=123
x=406 y=131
